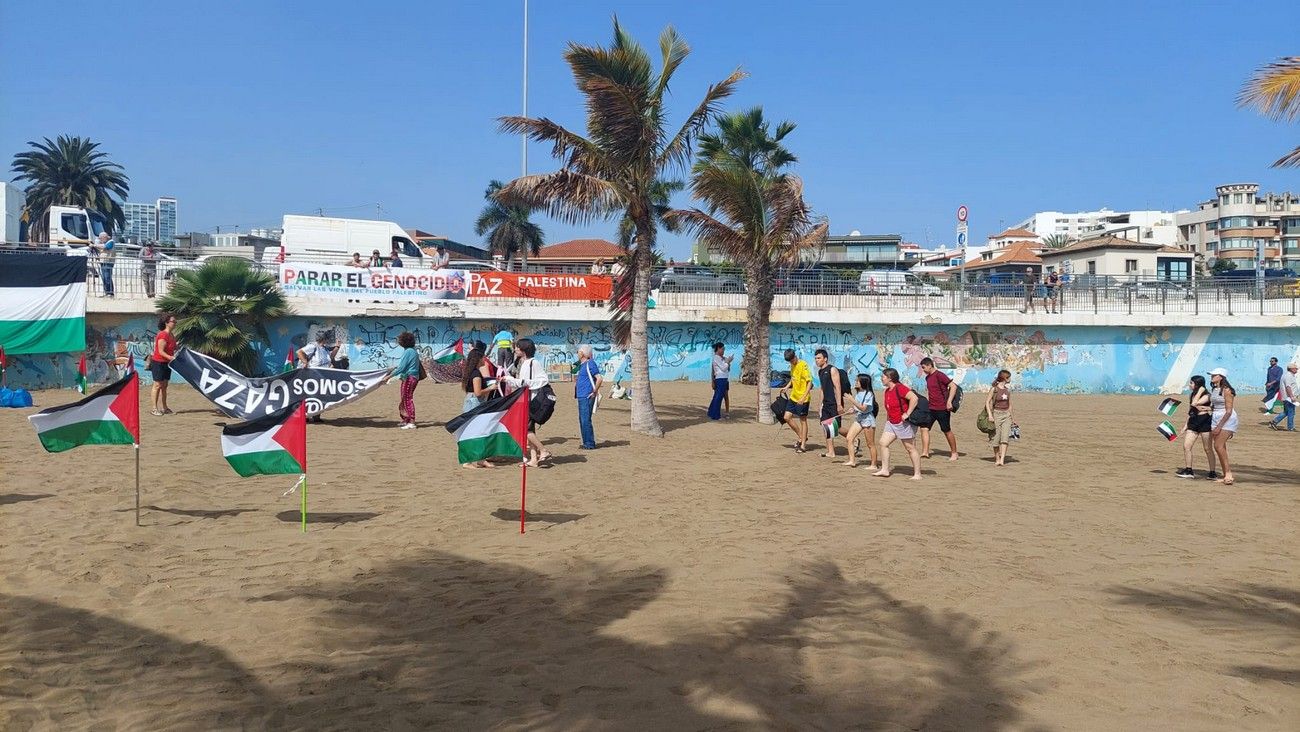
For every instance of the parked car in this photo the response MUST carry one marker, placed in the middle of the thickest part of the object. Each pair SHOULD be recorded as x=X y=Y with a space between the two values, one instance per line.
x=692 y=278
x=813 y=280
x=1155 y=289
x=894 y=282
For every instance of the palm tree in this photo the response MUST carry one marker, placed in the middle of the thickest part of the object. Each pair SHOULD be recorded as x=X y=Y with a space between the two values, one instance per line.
x=614 y=169
x=508 y=227
x=1274 y=91
x=69 y=171
x=1056 y=241
x=764 y=222
x=620 y=315
x=219 y=305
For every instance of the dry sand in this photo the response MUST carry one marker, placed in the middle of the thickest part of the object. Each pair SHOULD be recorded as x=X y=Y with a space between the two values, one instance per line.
x=710 y=580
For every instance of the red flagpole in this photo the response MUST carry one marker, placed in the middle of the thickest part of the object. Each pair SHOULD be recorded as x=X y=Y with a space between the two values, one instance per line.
x=523 y=494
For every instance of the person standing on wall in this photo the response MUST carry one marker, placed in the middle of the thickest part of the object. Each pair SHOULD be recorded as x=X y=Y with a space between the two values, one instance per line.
x=941 y=391
x=799 y=392
x=107 y=256
x=899 y=404
x=1289 y=393
x=721 y=381
x=586 y=388
x=149 y=268
x=1224 y=418
x=1054 y=292
x=160 y=363
x=1198 y=427
x=408 y=373
x=1030 y=284
x=998 y=405
x=597 y=268
x=441 y=259
x=1272 y=382
x=832 y=399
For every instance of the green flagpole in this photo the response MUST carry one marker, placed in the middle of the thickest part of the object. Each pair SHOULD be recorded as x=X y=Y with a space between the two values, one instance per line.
x=304 y=503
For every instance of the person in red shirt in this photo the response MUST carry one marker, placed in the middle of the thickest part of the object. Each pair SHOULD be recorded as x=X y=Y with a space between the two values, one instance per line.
x=899 y=403
x=160 y=363
x=941 y=390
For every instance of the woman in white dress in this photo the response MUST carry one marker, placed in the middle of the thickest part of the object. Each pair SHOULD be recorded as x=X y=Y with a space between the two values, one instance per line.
x=532 y=375
x=1224 y=419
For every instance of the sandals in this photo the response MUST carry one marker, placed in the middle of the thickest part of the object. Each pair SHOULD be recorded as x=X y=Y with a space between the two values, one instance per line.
x=156 y=413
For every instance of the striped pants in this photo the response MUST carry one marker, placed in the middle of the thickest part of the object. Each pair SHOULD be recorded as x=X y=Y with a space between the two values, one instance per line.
x=406 y=407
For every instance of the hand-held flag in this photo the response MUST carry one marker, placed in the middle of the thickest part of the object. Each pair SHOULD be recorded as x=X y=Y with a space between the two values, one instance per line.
x=110 y=416
x=1168 y=430
x=288 y=361
x=81 y=374
x=451 y=354
x=1169 y=406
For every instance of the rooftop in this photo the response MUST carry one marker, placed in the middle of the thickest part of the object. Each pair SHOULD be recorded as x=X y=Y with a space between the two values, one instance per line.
x=1112 y=242
x=581 y=249
x=1016 y=252
x=1015 y=234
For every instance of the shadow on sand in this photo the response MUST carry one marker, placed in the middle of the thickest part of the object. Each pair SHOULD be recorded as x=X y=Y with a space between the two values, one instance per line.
x=554 y=519
x=355 y=517
x=215 y=513
x=10 y=498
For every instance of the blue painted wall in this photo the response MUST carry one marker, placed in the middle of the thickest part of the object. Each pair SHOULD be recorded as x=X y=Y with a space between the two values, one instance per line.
x=1061 y=359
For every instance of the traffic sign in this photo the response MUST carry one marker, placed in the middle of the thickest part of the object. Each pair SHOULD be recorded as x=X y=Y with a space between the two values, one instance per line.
x=961 y=239
x=961 y=214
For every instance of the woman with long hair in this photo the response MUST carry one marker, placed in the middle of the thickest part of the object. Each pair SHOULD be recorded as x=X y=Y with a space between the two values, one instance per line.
x=1224 y=419
x=998 y=405
x=862 y=406
x=475 y=381
x=1198 y=427
x=408 y=375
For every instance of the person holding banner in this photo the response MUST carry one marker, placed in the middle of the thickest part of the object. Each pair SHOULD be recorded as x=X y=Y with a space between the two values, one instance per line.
x=160 y=363
x=408 y=375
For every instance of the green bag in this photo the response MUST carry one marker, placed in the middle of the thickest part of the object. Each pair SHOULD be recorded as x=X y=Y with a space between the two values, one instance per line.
x=984 y=423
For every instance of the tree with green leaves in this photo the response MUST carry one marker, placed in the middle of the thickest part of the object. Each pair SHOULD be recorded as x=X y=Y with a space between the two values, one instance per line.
x=755 y=212
x=1056 y=241
x=1274 y=91
x=614 y=169
x=509 y=228
x=220 y=305
x=621 y=315
x=69 y=171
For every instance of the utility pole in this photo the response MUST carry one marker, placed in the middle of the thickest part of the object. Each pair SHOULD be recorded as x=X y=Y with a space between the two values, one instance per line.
x=524 y=161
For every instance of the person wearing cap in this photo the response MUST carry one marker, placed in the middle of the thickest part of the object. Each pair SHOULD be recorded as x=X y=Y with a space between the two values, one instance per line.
x=1223 y=419
x=1289 y=393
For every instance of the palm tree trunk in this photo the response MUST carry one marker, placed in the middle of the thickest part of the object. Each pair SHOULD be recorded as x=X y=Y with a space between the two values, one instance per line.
x=749 y=369
x=764 y=356
x=644 y=418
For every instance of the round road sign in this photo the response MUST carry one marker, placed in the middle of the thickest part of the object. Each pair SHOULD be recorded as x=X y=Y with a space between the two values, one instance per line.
x=961 y=214
x=961 y=239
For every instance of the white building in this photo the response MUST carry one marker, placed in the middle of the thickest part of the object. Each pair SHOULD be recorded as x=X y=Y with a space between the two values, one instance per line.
x=1239 y=223
x=1149 y=227
x=149 y=221
x=1113 y=256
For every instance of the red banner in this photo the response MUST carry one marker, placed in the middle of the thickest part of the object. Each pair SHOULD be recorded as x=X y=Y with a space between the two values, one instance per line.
x=540 y=286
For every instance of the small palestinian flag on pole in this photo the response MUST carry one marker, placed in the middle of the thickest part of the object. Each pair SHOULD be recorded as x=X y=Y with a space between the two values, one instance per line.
x=1169 y=406
x=110 y=416
x=81 y=374
x=1167 y=430
x=288 y=361
x=272 y=445
x=451 y=354
x=496 y=428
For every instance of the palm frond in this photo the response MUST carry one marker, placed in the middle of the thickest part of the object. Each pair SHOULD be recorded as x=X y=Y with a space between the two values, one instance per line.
x=1274 y=90
x=566 y=195
x=677 y=152
x=1290 y=160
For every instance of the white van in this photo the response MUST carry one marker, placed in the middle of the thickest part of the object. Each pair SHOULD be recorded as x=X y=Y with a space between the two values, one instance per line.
x=894 y=282
x=322 y=236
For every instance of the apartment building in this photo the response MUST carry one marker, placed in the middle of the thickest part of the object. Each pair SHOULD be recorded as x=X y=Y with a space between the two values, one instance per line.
x=1148 y=227
x=1242 y=225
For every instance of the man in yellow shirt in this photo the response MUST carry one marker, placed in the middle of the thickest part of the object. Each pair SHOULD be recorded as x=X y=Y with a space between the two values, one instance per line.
x=799 y=392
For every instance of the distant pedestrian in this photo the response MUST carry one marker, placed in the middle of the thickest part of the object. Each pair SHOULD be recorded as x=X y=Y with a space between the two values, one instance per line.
x=1272 y=382
x=1054 y=292
x=376 y=260
x=597 y=268
x=799 y=392
x=107 y=257
x=1198 y=427
x=721 y=371
x=149 y=268
x=441 y=258
x=1289 y=393
x=1031 y=284
x=864 y=409
x=407 y=374
x=998 y=405
x=504 y=343
x=1224 y=417
x=899 y=404
x=832 y=399
x=160 y=363
x=940 y=391
x=532 y=376
x=586 y=389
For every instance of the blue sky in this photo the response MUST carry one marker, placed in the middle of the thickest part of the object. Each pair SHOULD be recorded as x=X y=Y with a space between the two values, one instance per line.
x=246 y=111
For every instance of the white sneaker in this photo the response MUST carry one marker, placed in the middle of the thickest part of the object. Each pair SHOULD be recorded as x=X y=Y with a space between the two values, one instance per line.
x=408 y=426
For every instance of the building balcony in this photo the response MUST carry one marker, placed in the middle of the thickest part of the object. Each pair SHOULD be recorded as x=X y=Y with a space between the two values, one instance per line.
x=1247 y=252
x=1253 y=232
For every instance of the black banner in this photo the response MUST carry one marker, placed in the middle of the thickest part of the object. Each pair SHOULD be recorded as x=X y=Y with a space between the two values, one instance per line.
x=245 y=398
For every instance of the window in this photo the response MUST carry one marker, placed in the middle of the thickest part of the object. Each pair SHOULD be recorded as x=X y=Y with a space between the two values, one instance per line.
x=75 y=225
x=1092 y=266
x=1212 y=225
x=1191 y=229
x=1223 y=200
x=1130 y=266
x=1236 y=198
x=1211 y=246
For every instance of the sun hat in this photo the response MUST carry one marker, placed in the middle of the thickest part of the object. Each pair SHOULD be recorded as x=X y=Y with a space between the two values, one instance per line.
x=1220 y=371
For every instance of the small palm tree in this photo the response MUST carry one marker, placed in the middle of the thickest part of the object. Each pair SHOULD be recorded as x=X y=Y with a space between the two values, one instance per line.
x=219 y=305
x=1274 y=91
x=757 y=215
x=69 y=171
x=614 y=169
x=508 y=228
x=1056 y=241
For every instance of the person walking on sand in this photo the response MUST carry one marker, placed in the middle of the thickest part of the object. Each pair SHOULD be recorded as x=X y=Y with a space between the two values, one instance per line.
x=799 y=393
x=407 y=374
x=998 y=405
x=1289 y=393
x=1198 y=426
x=863 y=408
x=832 y=398
x=1224 y=417
x=1272 y=383
x=899 y=403
x=586 y=389
x=533 y=376
x=160 y=363
x=941 y=391
x=721 y=381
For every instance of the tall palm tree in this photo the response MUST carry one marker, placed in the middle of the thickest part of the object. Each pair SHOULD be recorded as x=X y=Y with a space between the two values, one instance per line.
x=614 y=169
x=219 y=304
x=620 y=314
x=69 y=171
x=1274 y=91
x=508 y=227
x=757 y=215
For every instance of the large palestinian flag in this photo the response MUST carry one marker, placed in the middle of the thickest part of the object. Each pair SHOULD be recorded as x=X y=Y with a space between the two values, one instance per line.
x=110 y=416
x=270 y=445
x=496 y=428
x=42 y=303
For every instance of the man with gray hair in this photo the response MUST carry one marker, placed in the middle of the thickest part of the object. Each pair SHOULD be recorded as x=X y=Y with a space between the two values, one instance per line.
x=586 y=387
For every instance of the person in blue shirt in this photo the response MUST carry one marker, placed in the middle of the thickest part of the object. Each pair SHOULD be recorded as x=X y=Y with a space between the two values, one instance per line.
x=408 y=375
x=586 y=387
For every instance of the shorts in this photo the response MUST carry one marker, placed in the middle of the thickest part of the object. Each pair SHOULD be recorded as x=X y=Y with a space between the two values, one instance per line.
x=902 y=430
x=799 y=410
x=866 y=420
x=829 y=410
x=1199 y=423
x=942 y=418
x=162 y=372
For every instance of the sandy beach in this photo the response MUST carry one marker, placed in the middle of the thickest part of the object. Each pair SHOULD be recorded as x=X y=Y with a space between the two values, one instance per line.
x=713 y=579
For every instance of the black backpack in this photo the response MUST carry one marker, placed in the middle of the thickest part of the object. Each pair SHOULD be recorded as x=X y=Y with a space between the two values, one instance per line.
x=920 y=416
x=956 y=400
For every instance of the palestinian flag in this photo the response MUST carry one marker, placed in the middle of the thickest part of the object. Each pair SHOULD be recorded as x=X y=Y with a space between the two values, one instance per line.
x=270 y=445
x=3 y=363
x=496 y=428
x=110 y=416
x=43 y=303
x=1169 y=406
x=81 y=374
x=1168 y=430
x=288 y=361
x=451 y=354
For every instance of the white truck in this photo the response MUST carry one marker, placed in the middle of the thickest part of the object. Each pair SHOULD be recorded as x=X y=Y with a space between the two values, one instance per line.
x=310 y=237
x=69 y=226
x=894 y=282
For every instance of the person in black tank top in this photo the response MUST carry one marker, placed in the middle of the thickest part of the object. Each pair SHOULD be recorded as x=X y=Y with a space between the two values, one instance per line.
x=832 y=399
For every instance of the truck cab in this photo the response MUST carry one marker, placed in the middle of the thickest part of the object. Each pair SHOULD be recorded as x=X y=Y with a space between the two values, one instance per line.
x=74 y=227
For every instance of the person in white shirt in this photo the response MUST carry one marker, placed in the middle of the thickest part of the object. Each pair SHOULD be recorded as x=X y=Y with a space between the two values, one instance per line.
x=532 y=375
x=1289 y=393
x=721 y=382
x=318 y=354
x=441 y=259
